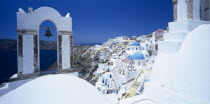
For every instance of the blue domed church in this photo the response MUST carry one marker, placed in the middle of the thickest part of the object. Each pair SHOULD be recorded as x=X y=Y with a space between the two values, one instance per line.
x=135 y=60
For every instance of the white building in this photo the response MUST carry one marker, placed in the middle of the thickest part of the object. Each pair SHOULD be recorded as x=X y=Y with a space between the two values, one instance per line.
x=134 y=47
x=105 y=82
x=135 y=63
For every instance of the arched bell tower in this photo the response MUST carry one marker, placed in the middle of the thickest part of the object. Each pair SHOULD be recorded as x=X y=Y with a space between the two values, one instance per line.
x=28 y=32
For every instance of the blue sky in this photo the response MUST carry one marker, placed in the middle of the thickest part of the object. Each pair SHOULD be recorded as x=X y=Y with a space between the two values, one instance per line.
x=95 y=21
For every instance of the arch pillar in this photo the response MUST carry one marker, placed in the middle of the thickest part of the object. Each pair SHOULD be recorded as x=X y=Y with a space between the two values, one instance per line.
x=72 y=50
x=65 y=50
x=193 y=9
x=175 y=2
x=186 y=9
x=27 y=51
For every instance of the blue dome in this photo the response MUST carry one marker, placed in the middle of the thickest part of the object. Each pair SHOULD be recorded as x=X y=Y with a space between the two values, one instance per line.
x=136 y=56
x=135 y=44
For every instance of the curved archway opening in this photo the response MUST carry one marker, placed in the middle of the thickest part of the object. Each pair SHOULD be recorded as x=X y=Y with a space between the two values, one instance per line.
x=48 y=46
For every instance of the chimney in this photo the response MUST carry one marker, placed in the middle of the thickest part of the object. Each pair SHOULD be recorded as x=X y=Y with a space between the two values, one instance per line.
x=30 y=10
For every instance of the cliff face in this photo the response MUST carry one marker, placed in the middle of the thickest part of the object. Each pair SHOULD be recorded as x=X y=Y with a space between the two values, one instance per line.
x=82 y=59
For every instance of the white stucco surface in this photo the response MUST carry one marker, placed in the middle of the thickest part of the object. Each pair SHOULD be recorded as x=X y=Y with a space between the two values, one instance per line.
x=33 y=20
x=28 y=54
x=197 y=7
x=185 y=25
x=181 y=10
x=166 y=46
x=187 y=70
x=55 y=89
x=65 y=52
x=179 y=36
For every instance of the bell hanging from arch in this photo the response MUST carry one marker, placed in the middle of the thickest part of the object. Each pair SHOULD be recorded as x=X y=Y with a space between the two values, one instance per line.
x=48 y=33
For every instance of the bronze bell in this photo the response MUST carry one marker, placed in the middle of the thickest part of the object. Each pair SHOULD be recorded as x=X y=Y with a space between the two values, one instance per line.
x=48 y=33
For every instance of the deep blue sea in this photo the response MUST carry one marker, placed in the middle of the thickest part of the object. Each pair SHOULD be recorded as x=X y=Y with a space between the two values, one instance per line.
x=8 y=62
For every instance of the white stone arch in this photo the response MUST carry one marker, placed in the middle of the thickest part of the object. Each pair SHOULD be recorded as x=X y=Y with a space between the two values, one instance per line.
x=28 y=38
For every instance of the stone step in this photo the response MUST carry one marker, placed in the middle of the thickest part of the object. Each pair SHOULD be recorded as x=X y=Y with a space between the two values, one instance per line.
x=169 y=46
x=178 y=36
x=185 y=25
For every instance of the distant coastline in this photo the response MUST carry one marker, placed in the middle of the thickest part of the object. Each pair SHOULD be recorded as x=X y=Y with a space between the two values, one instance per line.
x=91 y=44
x=11 y=44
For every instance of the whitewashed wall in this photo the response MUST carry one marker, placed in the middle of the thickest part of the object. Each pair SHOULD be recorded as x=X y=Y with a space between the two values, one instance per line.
x=34 y=20
x=65 y=52
x=196 y=9
x=181 y=10
x=28 y=54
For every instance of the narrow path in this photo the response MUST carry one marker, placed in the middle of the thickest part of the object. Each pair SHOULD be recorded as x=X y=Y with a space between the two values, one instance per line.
x=138 y=82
